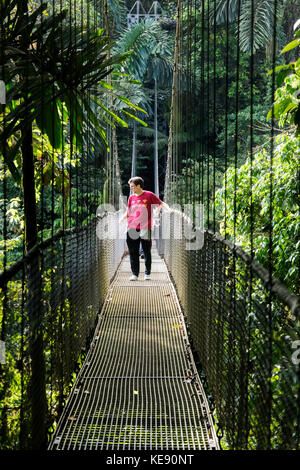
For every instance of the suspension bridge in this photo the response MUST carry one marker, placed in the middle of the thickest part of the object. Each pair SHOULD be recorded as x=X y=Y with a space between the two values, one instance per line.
x=200 y=357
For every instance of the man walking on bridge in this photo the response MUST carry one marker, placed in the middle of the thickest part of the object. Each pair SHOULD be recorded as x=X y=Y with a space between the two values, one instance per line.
x=139 y=215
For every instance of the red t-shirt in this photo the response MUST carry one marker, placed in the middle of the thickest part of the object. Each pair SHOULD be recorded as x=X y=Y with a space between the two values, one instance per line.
x=140 y=209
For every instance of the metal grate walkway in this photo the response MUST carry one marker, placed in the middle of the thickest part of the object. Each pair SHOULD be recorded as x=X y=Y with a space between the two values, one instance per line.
x=138 y=388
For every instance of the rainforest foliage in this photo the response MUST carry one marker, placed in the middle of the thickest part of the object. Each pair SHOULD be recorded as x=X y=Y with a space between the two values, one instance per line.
x=79 y=88
x=240 y=156
x=61 y=107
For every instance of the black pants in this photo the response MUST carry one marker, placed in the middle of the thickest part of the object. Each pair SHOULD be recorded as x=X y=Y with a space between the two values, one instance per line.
x=133 y=242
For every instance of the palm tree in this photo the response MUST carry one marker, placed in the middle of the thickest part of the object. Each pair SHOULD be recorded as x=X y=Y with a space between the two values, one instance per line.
x=151 y=60
x=49 y=74
x=160 y=67
x=261 y=21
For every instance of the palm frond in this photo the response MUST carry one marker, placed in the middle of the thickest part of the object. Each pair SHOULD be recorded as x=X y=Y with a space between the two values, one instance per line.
x=59 y=71
x=225 y=8
x=140 y=40
x=256 y=30
x=152 y=51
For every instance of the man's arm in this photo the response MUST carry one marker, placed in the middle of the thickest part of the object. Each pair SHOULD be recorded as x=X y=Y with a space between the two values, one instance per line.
x=126 y=215
x=165 y=207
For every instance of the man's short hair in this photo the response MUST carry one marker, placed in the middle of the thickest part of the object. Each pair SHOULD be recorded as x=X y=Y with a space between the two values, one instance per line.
x=137 y=180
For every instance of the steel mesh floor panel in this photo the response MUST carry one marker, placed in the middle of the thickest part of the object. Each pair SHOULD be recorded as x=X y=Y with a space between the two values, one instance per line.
x=152 y=346
x=138 y=387
x=157 y=279
x=157 y=267
x=127 y=302
x=135 y=414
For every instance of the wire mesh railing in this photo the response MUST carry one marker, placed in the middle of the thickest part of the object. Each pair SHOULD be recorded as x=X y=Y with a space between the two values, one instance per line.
x=55 y=170
x=50 y=302
x=245 y=331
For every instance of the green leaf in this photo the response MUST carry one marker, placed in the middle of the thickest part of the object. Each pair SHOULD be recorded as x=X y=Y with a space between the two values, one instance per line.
x=278 y=108
x=291 y=45
x=106 y=85
x=280 y=67
x=113 y=115
x=135 y=118
x=281 y=76
x=95 y=121
x=131 y=105
x=9 y=160
x=48 y=120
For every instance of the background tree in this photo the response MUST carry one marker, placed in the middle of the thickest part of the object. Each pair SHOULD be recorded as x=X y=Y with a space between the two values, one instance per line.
x=263 y=19
x=150 y=63
x=252 y=182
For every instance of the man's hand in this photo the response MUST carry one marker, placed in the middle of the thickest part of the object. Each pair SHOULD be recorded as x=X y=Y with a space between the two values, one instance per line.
x=123 y=219
x=165 y=207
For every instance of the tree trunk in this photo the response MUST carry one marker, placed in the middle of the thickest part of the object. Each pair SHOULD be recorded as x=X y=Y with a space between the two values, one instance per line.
x=118 y=173
x=30 y=213
x=37 y=393
x=133 y=162
x=34 y=302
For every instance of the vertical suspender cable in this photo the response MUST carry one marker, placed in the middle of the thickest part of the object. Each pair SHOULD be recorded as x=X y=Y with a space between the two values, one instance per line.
x=172 y=129
x=250 y=280
x=52 y=282
x=226 y=118
x=236 y=134
x=62 y=313
x=270 y=249
x=176 y=104
x=186 y=102
x=64 y=208
x=202 y=96
x=89 y=189
x=195 y=87
x=97 y=182
x=74 y=117
x=208 y=115
x=40 y=45
x=193 y=114
x=4 y=233
x=233 y=311
x=83 y=177
x=178 y=131
x=53 y=157
x=70 y=136
x=108 y=152
x=3 y=146
x=41 y=222
x=214 y=114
